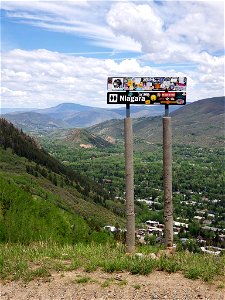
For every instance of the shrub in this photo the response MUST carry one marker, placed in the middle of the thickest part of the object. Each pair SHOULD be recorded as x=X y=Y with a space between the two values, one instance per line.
x=141 y=266
x=150 y=240
x=169 y=264
x=191 y=245
x=100 y=237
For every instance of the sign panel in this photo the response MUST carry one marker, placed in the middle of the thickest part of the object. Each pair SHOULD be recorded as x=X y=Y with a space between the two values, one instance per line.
x=147 y=90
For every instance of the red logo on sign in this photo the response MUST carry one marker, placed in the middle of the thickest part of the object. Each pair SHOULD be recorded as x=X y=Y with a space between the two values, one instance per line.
x=168 y=94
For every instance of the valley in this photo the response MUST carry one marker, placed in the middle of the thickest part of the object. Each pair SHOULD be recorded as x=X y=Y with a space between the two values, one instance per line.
x=198 y=164
x=198 y=183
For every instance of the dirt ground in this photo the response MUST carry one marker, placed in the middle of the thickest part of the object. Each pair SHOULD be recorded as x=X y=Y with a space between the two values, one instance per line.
x=117 y=286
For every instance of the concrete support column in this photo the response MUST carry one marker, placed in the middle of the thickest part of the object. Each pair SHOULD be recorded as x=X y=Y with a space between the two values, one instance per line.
x=129 y=179
x=167 y=165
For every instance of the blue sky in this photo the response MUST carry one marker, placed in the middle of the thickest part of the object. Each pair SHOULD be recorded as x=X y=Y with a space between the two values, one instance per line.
x=63 y=51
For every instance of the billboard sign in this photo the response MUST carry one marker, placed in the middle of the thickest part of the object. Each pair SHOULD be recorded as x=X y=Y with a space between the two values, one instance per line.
x=147 y=90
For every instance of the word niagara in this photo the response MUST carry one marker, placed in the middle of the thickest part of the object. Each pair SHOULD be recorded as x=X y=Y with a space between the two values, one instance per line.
x=132 y=99
x=123 y=98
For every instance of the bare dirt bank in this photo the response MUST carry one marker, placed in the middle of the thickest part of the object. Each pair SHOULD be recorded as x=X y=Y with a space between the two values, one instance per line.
x=78 y=285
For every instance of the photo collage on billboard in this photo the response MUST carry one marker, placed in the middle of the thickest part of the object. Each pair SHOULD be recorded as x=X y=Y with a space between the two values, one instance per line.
x=147 y=83
x=155 y=90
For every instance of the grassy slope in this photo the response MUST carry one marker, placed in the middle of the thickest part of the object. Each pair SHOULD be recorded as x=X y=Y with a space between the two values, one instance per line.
x=76 y=137
x=44 y=200
x=40 y=259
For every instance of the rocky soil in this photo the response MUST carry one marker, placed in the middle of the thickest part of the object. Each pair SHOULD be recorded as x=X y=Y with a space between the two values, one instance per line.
x=78 y=285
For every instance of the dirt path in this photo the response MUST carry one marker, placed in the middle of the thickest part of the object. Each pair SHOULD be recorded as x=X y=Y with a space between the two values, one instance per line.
x=78 y=285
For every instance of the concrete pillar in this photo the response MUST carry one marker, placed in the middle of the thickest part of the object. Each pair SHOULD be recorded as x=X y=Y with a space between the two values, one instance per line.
x=129 y=180
x=167 y=165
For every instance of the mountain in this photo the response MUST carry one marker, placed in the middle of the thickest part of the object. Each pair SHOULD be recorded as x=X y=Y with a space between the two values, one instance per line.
x=6 y=110
x=70 y=111
x=34 y=122
x=70 y=115
x=79 y=116
x=92 y=117
x=41 y=199
x=113 y=129
x=138 y=111
x=200 y=123
x=64 y=110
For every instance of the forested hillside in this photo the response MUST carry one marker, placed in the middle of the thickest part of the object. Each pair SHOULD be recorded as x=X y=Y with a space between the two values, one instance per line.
x=43 y=200
x=24 y=145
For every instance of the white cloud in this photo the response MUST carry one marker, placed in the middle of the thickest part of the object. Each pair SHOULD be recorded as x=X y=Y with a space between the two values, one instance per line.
x=42 y=78
x=172 y=30
x=202 y=27
x=139 y=22
x=190 y=33
x=169 y=29
x=68 y=17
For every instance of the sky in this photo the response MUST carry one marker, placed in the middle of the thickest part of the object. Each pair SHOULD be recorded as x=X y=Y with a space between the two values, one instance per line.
x=54 y=52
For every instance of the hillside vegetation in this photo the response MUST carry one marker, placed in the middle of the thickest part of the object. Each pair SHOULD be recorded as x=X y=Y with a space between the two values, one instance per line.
x=43 y=200
x=76 y=138
x=26 y=217
x=40 y=260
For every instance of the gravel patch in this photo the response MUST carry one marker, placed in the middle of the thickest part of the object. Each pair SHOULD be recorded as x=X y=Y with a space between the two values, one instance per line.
x=117 y=286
